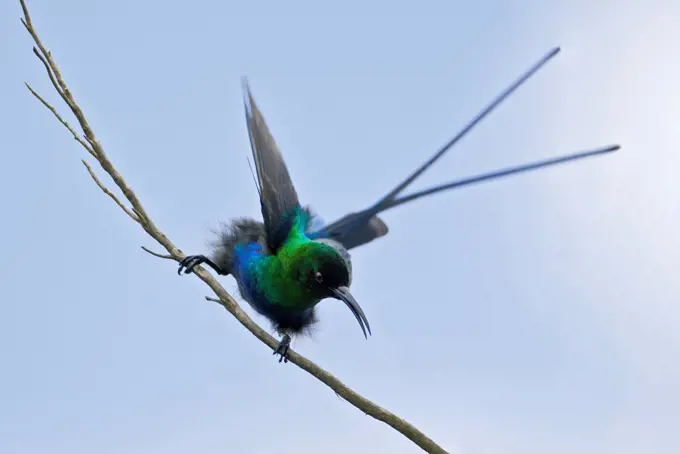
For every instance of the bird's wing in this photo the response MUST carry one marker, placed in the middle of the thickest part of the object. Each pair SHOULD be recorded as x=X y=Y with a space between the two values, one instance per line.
x=278 y=198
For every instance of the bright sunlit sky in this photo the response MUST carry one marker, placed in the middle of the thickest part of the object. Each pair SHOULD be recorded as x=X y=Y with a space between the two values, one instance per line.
x=535 y=314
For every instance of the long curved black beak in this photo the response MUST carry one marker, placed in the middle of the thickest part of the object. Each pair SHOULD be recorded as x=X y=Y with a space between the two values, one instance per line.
x=343 y=294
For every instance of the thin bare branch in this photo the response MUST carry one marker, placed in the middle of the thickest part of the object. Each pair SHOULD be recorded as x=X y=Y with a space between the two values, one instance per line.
x=138 y=213
x=47 y=67
x=62 y=121
x=68 y=98
x=108 y=192
x=47 y=56
x=156 y=254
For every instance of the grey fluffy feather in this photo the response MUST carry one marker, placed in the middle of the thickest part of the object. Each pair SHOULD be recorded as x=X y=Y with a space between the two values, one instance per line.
x=239 y=231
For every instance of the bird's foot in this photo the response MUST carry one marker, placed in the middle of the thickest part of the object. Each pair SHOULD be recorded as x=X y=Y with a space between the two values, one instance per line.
x=283 y=348
x=191 y=261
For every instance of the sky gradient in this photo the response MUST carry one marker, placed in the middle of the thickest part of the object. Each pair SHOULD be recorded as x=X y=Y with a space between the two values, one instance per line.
x=534 y=314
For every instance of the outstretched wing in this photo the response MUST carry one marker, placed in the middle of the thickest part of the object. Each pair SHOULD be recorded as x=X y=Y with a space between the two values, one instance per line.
x=278 y=198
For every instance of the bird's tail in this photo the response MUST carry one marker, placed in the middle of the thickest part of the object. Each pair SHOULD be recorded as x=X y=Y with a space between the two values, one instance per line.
x=364 y=226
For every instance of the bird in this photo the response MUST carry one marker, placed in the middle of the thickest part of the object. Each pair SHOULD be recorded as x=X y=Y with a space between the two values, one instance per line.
x=290 y=261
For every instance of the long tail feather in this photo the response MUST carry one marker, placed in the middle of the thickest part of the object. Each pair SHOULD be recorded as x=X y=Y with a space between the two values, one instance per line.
x=499 y=174
x=362 y=216
x=468 y=127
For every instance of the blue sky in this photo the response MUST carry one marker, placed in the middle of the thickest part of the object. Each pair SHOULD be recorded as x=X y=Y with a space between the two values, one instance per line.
x=534 y=314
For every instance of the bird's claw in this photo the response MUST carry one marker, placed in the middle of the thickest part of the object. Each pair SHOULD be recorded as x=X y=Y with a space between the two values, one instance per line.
x=190 y=262
x=283 y=348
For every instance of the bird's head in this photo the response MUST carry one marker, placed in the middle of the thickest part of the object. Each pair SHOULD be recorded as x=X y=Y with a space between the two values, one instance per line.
x=325 y=270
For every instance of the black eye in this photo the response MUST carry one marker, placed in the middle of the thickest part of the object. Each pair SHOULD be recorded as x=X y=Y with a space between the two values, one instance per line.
x=319 y=277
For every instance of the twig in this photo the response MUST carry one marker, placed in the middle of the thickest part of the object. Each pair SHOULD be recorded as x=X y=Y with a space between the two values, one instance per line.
x=47 y=67
x=161 y=256
x=138 y=213
x=62 y=121
x=109 y=193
